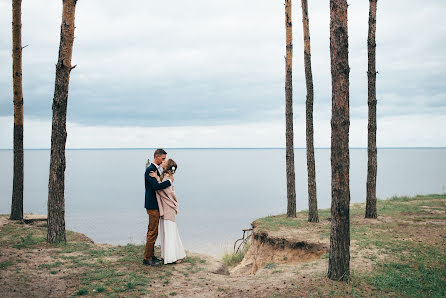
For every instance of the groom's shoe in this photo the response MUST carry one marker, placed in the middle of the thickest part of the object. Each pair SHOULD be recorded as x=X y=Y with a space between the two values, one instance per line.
x=158 y=260
x=151 y=262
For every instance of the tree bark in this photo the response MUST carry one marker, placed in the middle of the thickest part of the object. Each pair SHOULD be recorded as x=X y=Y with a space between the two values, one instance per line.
x=17 y=184
x=370 y=209
x=290 y=174
x=56 y=185
x=311 y=167
x=339 y=260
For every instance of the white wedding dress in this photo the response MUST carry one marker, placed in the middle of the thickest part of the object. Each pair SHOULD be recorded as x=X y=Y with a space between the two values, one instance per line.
x=171 y=246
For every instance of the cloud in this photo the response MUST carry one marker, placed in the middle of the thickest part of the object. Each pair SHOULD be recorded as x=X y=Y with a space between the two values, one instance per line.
x=424 y=130
x=205 y=64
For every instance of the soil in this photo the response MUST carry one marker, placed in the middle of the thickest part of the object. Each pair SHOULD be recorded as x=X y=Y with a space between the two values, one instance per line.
x=284 y=262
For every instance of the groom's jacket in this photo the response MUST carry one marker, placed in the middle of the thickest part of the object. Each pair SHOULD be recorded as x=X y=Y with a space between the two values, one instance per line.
x=152 y=185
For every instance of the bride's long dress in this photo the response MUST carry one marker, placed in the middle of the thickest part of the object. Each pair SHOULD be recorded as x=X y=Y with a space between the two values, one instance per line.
x=171 y=246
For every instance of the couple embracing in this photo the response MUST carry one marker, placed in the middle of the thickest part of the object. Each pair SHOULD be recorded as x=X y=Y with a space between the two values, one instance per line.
x=162 y=207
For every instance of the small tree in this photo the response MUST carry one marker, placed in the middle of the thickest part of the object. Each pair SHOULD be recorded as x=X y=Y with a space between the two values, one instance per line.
x=17 y=184
x=290 y=175
x=339 y=260
x=370 y=209
x=311 y=167
x=56 y=185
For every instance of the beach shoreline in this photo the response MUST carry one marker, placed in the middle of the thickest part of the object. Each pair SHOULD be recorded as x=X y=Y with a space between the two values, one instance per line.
x=408 y=233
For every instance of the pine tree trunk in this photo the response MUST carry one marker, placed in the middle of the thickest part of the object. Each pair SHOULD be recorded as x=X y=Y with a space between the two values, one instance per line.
x=290 y=175
x=339 y=260
x=17 y=184
x=312 y=198
x=370 y=209
x=56 y=185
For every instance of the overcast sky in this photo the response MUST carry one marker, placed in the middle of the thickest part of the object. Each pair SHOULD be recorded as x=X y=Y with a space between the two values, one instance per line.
x=211 y=73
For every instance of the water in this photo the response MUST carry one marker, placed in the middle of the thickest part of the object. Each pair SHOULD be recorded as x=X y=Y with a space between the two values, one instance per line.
x=220 y=191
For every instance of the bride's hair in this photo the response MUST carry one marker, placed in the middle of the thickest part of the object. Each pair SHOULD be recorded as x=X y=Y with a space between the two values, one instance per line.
x=171 y=168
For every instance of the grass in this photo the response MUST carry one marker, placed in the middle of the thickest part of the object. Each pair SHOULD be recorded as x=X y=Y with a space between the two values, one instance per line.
x=230 y=259
x=82 y=292
x=274 y=223
x=270 y=266
x=6 y=264
x=419 y=272
x=193 y=260
x=49 y=266
x=406 y=252
x=403 y=266
x=29 y=241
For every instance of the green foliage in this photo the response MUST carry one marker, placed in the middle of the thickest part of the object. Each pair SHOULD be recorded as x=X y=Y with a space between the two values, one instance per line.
x=194 y=260
x=270 y=266
x=130 y=253
x=29 y=241
x=234 y=259
x=274 y=223
x=6 y=264
x=406 y=206
x=96 y=253
x=49 y=266
x=70 y=247
x=419 y=272
x=82 y=292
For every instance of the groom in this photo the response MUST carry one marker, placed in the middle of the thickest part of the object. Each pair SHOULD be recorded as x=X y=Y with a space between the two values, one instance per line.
x=151 y=205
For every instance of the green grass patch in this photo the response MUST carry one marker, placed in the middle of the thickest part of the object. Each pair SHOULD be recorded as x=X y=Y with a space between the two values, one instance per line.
x=406 y=206
x=96 y=280
x=28 y=241
x=82 y=292
x=193 y=260
x=130 y=253
x=274 y=223
x=4 y=265
x=420 y=272
x=234 y=259
x=70 y=247
x=49 y=266
x=97 y=253
x=270 y=266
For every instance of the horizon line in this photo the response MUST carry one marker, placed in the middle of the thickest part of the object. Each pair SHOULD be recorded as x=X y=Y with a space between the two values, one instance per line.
x=225 y=148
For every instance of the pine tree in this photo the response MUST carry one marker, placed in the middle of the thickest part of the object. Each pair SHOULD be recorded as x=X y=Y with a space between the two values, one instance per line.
x=17 y=184
x=339 y=259
x=290 y=174
x=370 y=209
x=311 y=167
x=56 y=185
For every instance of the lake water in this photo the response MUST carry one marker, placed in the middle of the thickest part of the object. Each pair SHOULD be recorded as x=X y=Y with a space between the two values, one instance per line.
x=220 y=191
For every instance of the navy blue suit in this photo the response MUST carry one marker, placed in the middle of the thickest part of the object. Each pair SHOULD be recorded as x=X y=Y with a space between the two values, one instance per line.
x=151 y=185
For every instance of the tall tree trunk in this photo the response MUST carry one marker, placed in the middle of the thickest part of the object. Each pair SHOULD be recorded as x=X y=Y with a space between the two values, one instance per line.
x=339 y=260
x=290 y=175
x=370 y=209
x=312 y=198
x=56 y=185
x=17 y=184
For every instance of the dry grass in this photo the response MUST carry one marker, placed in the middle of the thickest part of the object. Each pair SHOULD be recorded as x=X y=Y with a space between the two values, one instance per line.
x=402 y=253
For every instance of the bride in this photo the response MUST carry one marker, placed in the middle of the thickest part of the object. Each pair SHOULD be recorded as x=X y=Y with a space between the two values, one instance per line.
x=172 y=250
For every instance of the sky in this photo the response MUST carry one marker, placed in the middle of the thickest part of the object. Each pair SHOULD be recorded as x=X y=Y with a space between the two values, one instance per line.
x=211 y=73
